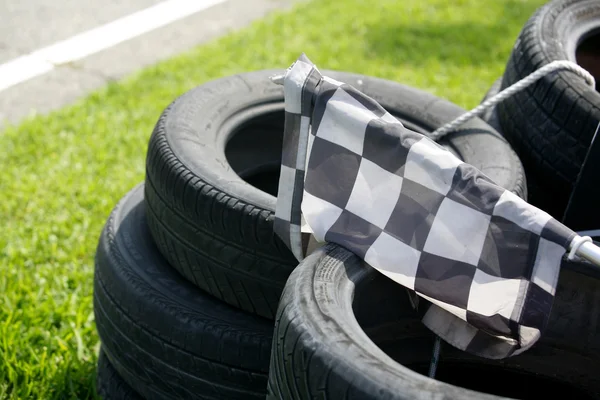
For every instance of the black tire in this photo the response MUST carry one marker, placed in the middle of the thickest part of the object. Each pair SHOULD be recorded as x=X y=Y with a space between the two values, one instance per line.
x=110 y=385
x=325 y=347
x=166 y=338
x=535 y=193
x=551 y=123
x=215 y=228
x=491 y=114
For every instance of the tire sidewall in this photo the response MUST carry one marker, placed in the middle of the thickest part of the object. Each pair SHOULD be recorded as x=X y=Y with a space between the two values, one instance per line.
x=199 y=123
x=319 y=301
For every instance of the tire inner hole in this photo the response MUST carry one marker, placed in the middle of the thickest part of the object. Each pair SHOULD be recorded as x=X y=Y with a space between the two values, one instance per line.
x=254 y=151
x=383 y=310
x=587 y=55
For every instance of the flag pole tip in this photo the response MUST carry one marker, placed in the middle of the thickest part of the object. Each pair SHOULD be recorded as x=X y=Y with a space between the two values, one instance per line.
x=277 y=79
x=585 y=248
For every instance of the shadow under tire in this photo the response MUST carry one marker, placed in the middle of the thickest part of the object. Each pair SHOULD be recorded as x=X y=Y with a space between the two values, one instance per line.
x=215 y=228
x=165 y=337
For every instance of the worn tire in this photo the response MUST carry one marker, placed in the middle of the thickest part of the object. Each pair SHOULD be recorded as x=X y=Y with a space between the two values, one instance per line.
x=535 y=193
x=551 y=123
x=215 y=228
x=110 y=385
x=491 y=114
x=166 y=338
x=325 y=346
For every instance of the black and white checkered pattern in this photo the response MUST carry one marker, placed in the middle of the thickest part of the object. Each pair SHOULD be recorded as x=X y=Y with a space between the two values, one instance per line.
x=486 y=260
x=298 y=110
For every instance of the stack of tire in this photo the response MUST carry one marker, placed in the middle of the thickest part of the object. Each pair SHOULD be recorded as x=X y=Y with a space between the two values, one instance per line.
x=188 y=271
x=551 y=124
x=196 y=298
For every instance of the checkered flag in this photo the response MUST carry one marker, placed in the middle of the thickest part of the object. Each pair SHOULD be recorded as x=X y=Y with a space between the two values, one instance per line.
x=351 y=174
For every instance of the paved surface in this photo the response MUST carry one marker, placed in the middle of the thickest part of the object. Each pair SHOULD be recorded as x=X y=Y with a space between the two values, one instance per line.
x=32 y=24
x=29 y=25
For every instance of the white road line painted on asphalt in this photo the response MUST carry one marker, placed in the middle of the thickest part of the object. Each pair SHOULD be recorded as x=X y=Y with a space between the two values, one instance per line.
x=84 y=44
x=21 y=69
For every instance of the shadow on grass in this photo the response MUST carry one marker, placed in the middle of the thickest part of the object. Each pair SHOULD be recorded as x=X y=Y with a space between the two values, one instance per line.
x=76 y=381
x=456 y=44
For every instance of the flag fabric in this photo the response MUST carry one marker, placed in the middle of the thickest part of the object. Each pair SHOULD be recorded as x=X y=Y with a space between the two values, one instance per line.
x=486 y=261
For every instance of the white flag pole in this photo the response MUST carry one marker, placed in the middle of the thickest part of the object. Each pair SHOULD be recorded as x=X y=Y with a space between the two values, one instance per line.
x=277 y=79
x=584 y=248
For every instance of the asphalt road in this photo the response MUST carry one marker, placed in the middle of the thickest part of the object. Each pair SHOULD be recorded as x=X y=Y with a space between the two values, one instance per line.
x=29 y=25
x=26 y=26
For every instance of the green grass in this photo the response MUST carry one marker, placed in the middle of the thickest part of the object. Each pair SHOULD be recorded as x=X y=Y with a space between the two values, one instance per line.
x=61 y=174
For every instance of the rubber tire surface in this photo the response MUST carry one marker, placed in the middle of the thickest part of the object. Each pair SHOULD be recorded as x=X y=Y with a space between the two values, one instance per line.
x=535 y=193
x=165 y=337
x=491 y=114
x=110 y=385
x=551 y=123
x=321 y=352
x=216 y=229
